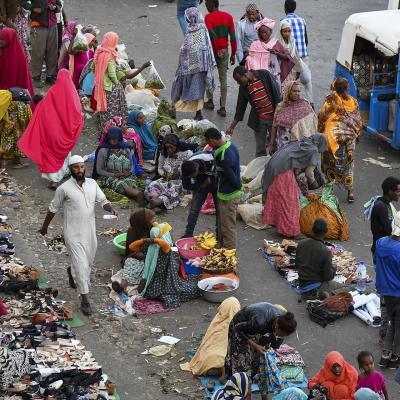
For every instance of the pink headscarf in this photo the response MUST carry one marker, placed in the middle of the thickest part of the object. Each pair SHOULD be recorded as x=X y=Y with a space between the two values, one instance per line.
x=106 y=52
x=259 y=52
x=89 y=38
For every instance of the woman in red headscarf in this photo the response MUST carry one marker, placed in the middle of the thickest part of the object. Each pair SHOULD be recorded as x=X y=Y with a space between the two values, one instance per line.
x=338 y=376
x=14 y=68
x=108 y=91
x=54 y=129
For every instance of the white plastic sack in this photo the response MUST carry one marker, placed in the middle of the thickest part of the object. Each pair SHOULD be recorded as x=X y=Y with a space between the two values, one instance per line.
x=138 y=81
x=251 y=215
x=185 y=124
x=255 y=166
x=121 y=52
x=142 y=98
x=255 y=185
x=154 y=80
x=80 y=42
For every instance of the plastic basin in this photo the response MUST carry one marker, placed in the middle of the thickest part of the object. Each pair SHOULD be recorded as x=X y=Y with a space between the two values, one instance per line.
x=120 y=239
x=184 y=248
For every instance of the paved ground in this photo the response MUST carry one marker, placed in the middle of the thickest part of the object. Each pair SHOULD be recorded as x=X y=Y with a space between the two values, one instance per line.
x=118 y=343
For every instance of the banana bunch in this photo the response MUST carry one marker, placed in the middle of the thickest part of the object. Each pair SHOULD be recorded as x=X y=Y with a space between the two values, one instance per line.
x=220 y=259
x=205 y=241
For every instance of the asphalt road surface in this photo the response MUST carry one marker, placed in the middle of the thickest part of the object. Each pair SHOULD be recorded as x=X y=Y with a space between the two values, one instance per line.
x=153 y=33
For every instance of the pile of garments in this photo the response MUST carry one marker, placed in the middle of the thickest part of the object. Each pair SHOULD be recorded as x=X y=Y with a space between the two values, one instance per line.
x=291 y=364
x=40 y=356
x=6 y=246
x=367 y=307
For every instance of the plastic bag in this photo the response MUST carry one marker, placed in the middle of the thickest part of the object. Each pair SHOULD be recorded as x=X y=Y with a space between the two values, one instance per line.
x=255 y=166
x=121 y=51
x=80 y=42
x=140 y=98
x=138 y=81
x=154 y=80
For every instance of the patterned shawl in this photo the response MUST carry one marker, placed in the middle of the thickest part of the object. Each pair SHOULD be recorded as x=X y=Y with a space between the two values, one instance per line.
x=196 y=54
x=289 y=112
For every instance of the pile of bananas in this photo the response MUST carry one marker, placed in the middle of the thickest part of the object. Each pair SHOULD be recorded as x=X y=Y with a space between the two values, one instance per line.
x=220 y=259
x=205 y=241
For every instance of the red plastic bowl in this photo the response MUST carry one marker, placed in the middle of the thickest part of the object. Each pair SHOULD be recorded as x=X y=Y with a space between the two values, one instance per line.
x=184 y=248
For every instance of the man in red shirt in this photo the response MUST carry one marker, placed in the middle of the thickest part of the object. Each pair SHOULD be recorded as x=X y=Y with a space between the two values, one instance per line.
x=221 y=28
x=260 y=89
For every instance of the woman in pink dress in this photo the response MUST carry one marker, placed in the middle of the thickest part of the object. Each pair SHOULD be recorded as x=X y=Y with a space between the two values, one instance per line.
x=81 y=58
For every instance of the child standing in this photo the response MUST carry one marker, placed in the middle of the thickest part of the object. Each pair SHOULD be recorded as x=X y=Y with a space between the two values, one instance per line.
x=369 y=378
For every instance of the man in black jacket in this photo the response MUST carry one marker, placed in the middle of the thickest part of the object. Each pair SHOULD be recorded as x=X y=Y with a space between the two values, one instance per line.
x=44 y=38
x=314 y=264
x=262 y=91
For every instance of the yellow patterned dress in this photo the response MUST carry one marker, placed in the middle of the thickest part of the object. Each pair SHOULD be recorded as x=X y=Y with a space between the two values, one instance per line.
x=340 y=121
x=12 y=129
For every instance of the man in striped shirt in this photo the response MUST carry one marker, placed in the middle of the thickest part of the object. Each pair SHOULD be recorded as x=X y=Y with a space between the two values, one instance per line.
x=299 y=29
x=221 y=28
x=261 y=90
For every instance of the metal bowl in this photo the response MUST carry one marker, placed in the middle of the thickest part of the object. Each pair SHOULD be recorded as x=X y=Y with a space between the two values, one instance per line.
x=218 y=296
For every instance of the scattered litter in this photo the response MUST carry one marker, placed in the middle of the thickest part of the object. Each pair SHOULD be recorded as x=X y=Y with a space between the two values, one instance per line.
x=168 y=339
x=56 y=244
x=155 y=330
x=112 y=232
x=109 y=216
x=160 y=350
x=371 y=160
x=153 y=5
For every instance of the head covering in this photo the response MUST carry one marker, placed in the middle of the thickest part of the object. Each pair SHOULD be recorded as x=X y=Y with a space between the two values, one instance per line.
x=236 y=388
x=174 y=141
x=252 y=7
x=75 y=160
x=396 y=225
x=213 y=348
x=114 y=121
x=89 y=37
x=366 y=394
x=149 y=143
x=339 y=387
x=292 y=393
x=269 y=23
x=113 y=133
x=196 y=54
x=14 y=68
x=140 y=221
x=69 y=31
x=277 y=35
x=60 y=113
x=289 y=112
x=106 y=52
x=5 y=101
x=294 y=155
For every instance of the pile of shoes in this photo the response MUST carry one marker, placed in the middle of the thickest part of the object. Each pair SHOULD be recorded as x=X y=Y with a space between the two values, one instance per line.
x=40 y=356
x=6 y=247
x=8 y=186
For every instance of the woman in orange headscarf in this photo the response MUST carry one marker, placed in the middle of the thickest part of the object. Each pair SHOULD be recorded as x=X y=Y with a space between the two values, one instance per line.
x=338 y=376
x=108 y=93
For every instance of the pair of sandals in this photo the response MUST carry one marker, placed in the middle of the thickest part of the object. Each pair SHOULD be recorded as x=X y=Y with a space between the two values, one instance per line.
x=209 y=105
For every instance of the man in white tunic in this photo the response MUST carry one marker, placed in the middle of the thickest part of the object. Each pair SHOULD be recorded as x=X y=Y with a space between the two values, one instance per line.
x=78 y=197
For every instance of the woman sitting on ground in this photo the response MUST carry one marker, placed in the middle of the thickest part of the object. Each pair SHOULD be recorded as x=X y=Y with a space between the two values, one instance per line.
x=294 y=118
x=160 y=279
x=281 y=180
x=137 y=122
x=253 y=329
x=141 y=222
x=166 y=191
x=338 y=376
x=210 y=356
x=114 y=166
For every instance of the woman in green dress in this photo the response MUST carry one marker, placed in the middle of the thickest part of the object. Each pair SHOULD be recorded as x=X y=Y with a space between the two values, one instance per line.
x=114 y=166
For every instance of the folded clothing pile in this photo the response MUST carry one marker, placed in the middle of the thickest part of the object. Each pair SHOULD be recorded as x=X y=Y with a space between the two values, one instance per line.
x=291 y=363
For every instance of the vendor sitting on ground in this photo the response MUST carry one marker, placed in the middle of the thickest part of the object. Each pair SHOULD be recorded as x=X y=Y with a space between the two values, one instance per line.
x=166 y=191
x=141 y=222
x=314 y=264
x=114 y=165
x=160 y=279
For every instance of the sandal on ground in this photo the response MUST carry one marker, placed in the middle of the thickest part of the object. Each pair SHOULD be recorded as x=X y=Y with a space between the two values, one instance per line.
x=350 y=198
x=209 y=105
x=222 y=112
